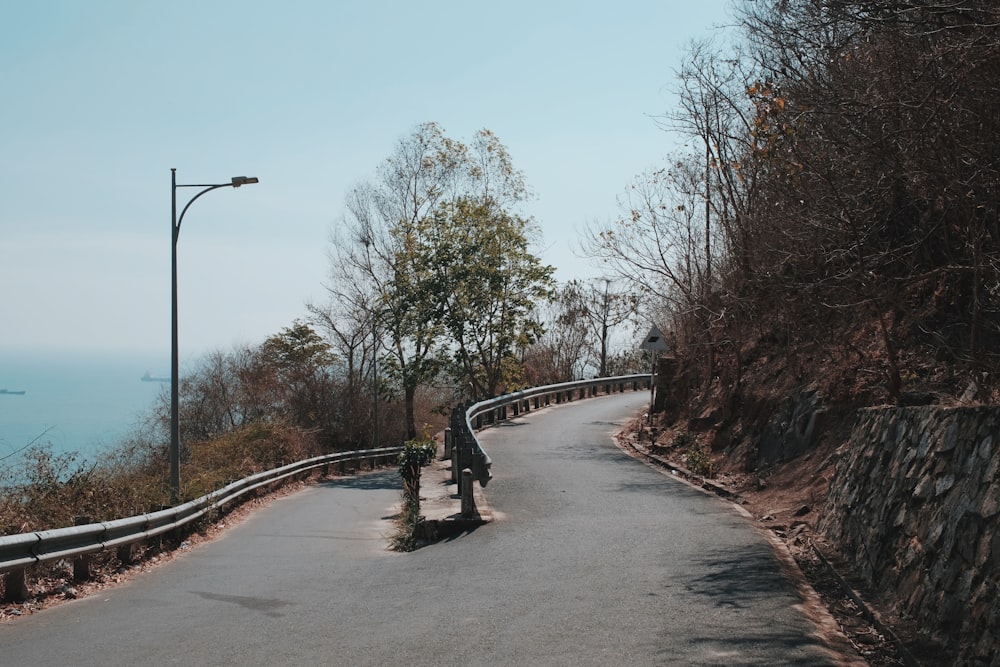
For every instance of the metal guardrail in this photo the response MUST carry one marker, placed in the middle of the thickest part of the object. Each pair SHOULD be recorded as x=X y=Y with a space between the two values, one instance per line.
x=18 y=552
x=468 y=452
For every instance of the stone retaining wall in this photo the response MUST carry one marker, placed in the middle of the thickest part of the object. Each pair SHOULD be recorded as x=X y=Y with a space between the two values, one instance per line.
x=914 y=507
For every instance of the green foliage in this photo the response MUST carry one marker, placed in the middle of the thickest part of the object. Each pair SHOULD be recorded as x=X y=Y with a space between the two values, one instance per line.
x=407 y=525
x=683 y=440
x=298 y=346
x=290 y=378
x=415 y=455
x=438 y=263
x=489 y=284
x=696 y=457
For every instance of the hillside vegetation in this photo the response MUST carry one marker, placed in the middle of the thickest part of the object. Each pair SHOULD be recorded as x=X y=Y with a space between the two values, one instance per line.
x=835 y=226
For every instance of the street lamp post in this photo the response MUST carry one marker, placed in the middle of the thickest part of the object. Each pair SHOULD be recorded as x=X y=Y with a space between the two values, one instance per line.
x=175 y=230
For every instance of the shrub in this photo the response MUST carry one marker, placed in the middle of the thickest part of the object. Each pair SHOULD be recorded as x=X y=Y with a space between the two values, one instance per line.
x=415 y=455
x=698 y=460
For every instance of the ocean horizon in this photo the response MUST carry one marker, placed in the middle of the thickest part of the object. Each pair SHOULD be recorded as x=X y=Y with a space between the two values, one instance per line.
x=75 y=402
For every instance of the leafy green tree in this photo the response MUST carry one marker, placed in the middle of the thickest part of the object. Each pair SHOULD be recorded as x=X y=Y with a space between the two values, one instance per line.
x=487 y=283
x=298 y=347
x=376 y=277
x=301 y=362
x=395 y=267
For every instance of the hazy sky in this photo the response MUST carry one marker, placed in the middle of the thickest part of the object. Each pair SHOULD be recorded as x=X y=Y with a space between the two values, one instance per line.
x=102 y=98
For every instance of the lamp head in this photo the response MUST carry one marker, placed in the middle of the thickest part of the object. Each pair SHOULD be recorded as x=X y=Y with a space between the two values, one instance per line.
x=243 y=180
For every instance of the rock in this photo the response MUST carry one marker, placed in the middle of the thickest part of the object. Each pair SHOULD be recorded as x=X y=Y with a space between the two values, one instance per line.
x=943 y=484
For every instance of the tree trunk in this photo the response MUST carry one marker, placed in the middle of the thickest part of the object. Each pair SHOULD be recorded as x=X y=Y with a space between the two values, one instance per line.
x=411 y=424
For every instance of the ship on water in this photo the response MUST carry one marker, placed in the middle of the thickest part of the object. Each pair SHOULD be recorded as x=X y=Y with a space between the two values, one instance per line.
x=13 y=392
x=150 y=378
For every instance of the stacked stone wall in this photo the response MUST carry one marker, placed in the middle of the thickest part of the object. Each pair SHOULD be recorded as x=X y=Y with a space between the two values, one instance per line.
x=914 y=507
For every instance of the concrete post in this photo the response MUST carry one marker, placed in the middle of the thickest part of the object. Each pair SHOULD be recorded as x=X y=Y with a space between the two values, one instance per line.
x=125 y=554
x=81 y=566
x=468 y=498
x=447 y=443
x=15 y=586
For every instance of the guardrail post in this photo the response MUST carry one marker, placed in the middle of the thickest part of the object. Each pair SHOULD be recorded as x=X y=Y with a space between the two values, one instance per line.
x=447 y=443
x=125 y=555
x=81 y=565
x=468 y=497
x=15 y=586
x=458 y=454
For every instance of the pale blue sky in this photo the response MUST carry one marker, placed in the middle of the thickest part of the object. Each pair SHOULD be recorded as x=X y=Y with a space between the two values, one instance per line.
x=102 y=98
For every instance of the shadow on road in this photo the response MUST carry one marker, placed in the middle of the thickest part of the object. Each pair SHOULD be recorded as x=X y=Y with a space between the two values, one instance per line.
x=655 y=486
x=520 y=421
x=582 y=452
x=745 y=581
x=367 y=481
x=736 y=579
x=266 y=606
x=741 y=648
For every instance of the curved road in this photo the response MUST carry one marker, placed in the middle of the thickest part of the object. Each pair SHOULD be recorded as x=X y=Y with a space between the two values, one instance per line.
x=594 y=559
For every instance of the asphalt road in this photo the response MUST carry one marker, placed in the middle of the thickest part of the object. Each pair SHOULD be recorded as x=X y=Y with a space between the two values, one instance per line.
x=594 y=559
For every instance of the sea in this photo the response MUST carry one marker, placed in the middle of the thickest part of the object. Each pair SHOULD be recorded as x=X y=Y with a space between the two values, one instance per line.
x=76 y=403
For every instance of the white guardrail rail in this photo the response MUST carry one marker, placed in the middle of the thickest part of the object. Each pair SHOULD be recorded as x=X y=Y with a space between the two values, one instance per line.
x=464 y=448
x=21 y=551
x=18 y=552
